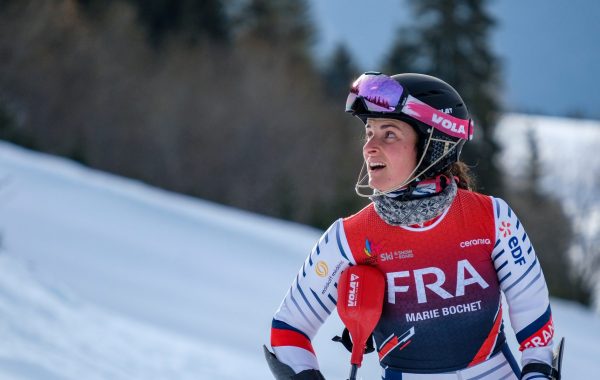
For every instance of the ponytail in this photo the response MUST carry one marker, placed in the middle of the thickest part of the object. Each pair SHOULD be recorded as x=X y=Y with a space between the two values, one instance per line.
x=459 y=170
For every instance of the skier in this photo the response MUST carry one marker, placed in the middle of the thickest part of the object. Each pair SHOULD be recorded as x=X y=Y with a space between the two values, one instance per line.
x=447 y=252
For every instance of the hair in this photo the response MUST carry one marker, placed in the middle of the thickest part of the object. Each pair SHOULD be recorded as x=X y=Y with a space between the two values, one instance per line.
x=460 y=171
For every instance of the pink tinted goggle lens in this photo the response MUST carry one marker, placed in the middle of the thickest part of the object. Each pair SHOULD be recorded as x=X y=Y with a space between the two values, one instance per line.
x=379 y=92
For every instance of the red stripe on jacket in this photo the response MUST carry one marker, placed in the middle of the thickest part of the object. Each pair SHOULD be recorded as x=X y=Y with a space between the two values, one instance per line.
x=489 y=343
x=281 y=337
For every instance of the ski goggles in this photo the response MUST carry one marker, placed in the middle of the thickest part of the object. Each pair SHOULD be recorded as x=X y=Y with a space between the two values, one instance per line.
x=382 y=94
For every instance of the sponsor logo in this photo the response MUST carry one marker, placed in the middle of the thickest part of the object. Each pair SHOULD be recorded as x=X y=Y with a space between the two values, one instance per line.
x=321 y=269
x=447 y=124
x=353 y=290
x=368 y=249
x=466 y=275
x=396 y=255
x=474 y=242
x=331 y=276
x=516 y=251
x=371 y=248
x=505 y=229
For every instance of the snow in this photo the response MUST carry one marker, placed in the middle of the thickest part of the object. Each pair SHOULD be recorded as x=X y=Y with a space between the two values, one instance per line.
x=103 y=277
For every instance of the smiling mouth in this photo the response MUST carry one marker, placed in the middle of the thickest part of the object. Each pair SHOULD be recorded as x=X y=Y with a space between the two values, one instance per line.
x=375 y=166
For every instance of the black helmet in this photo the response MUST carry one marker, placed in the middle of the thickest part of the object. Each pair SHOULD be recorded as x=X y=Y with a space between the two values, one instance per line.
x=438 y=147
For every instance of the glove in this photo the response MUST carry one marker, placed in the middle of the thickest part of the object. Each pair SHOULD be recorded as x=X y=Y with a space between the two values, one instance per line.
x=309 y=374
x=539 y=371
x=283 y=371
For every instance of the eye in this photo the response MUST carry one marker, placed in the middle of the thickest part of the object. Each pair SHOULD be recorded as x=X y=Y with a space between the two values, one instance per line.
x=390 y=135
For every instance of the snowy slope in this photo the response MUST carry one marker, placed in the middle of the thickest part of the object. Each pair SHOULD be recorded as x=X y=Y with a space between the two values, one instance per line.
x=105 y=278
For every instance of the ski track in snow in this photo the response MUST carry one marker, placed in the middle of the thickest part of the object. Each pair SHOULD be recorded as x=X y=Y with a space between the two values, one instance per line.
x=103 y=277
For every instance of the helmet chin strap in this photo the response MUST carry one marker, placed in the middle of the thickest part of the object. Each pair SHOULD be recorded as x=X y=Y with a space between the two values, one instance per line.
x=363 y=177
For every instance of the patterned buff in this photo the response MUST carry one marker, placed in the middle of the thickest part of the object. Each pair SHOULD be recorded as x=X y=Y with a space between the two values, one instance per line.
x=397 y=212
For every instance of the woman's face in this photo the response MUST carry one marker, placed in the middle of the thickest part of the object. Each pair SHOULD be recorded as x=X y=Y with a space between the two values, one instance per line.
x=390 y=152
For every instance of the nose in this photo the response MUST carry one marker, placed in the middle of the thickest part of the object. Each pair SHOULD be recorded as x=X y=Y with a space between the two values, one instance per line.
x=371 y=147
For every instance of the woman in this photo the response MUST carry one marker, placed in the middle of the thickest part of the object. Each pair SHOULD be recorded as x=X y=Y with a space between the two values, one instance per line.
x=447 y=252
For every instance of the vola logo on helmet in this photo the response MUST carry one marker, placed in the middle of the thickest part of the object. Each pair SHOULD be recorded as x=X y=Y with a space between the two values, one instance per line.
x=441 y=121
x=437 y=119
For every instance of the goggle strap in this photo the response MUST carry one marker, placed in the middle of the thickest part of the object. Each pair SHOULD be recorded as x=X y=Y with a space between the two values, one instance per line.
x=445 y=123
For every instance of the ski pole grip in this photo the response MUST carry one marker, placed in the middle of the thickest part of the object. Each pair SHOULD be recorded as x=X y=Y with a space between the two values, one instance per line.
x=360 y=300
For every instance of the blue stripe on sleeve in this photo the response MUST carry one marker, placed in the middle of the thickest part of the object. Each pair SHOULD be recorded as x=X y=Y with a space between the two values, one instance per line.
x=332 y=299
x=505 y=277
x=528 y=285
x=497 y=207
x=320 y=302
x=522 y=276
x=498 y=255
x=501 y=266
x=284 y=326
x=301 y=311
x=339 y=241
x=534 y=326
x=308 y=303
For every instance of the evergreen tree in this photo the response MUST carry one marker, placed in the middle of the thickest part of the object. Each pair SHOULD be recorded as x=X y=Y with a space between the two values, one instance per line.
x=282 y=24
x=549 y=229
x=192 y=20
x=450 y=40
x=404 y=54
x=338 y=73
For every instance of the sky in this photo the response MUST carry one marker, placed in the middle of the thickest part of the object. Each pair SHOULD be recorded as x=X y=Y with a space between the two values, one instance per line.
x=550 y=48
x=106 y=278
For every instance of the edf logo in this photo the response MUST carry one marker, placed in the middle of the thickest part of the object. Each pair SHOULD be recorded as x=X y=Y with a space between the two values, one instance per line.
x=516 y=251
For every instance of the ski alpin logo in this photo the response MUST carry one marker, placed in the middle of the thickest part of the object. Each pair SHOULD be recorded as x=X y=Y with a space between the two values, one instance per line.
x=353 y=291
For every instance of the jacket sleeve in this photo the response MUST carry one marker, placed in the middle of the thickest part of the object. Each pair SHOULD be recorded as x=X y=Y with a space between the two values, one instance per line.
x=522 y=281
x=310 y=300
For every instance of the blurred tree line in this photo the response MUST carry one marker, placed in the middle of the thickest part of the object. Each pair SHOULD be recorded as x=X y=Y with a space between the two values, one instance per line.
x=222 y=100
x=215 y=99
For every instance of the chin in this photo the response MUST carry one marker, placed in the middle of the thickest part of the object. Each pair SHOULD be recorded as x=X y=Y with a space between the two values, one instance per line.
x=378 y=187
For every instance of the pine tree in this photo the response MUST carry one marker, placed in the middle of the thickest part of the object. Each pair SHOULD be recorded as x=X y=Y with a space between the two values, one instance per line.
x=192 y=20
x=450 y=40
x=550 y=230
x=281 y=24
x=338 y=73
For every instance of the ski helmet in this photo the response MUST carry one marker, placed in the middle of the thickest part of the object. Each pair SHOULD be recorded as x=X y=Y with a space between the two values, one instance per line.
x=431 y=106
